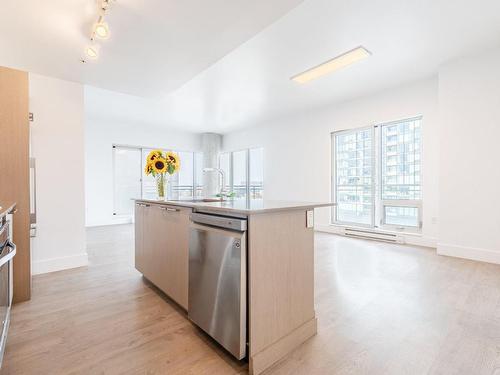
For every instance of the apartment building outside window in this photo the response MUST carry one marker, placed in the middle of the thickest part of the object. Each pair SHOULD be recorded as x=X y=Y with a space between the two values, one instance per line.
x=377 y=176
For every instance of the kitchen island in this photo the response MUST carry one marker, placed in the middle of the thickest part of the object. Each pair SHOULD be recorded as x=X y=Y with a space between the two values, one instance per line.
x=279 y=265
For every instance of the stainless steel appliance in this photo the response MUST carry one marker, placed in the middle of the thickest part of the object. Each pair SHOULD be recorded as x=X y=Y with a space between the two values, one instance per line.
x=217 y=300
x=7 y=252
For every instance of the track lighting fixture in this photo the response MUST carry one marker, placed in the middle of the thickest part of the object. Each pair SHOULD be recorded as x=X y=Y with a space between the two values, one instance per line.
x=100 y=30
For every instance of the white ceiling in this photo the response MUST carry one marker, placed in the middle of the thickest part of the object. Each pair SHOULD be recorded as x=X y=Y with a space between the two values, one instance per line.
x=155 y=46
x=154 y=50
x=409 y=40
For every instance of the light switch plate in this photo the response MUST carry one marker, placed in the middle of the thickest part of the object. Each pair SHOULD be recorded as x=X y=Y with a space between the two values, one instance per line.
x=310 y=219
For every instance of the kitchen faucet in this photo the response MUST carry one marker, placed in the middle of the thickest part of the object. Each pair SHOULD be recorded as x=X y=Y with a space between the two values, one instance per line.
x=223 y=179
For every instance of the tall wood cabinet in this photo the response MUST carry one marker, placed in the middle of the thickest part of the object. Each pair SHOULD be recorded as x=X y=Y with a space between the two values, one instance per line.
x=162 y=248
x=14 y=170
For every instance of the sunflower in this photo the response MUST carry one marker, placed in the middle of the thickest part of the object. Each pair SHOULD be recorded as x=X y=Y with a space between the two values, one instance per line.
x=148 y=169
x=154 y=155
x=159 y=165
x=173 y=160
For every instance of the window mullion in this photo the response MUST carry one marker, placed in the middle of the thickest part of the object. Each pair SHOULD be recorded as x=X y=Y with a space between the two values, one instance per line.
x=374 y=177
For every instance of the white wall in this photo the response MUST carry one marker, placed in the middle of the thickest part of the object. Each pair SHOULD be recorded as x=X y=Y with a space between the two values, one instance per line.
x=100 y=135
x=297 y=160
x=57 y=143
x=469 y=199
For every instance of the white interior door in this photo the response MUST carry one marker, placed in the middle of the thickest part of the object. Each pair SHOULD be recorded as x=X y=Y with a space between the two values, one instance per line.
x=127 y=169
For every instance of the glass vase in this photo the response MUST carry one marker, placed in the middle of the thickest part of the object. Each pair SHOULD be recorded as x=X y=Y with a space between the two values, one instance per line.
x=161 y=186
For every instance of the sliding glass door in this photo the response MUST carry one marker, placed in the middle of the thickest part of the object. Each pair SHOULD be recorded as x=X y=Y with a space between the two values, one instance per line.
x=182 y=183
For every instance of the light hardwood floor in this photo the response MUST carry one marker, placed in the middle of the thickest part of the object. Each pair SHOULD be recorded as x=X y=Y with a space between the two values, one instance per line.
x=381 y=308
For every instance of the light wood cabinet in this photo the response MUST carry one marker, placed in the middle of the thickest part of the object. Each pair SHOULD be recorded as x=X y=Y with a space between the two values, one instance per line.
x=140 y=259
x=14 y=169
x=162 y=248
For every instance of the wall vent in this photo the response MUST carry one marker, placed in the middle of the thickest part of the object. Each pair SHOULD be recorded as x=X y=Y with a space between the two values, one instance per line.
x=373 y=235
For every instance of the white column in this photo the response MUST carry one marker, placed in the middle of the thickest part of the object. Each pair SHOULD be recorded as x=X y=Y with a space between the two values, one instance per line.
x=211 y=146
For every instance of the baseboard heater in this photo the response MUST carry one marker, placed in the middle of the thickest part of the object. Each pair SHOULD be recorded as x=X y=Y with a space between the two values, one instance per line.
x=373 y=235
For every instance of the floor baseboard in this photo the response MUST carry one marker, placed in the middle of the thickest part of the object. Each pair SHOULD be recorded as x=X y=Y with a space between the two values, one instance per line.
x=114 y=221
x=481 y=255
x=59 y=264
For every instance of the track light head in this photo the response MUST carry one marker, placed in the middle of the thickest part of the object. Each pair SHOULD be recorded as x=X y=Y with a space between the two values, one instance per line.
x=92 y=52
x=101 y=30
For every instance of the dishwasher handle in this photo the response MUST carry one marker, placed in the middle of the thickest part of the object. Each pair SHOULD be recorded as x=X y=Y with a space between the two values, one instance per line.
x=220 y=221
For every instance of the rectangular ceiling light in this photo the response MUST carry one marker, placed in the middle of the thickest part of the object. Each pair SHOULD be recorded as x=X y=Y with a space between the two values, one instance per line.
x=332 y=65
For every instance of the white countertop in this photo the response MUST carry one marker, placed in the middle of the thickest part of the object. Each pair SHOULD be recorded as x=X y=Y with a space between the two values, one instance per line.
x=248 y=207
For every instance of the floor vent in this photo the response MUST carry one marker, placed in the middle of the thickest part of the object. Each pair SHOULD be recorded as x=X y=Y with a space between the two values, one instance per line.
x=373 y=235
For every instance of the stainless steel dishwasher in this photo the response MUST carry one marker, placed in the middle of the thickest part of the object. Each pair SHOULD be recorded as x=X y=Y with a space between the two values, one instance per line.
x=218 y=279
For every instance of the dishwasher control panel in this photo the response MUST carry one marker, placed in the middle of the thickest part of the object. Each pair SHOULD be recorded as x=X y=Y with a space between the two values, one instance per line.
x=220 y=221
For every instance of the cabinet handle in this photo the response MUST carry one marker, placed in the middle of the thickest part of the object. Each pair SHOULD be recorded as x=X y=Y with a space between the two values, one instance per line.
x=169 y=209
x=142 y=205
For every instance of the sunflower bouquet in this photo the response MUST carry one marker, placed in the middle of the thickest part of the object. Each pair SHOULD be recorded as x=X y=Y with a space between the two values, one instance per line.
x=162 y=165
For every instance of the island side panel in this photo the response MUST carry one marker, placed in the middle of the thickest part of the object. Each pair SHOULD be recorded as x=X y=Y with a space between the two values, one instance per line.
x=281 y=285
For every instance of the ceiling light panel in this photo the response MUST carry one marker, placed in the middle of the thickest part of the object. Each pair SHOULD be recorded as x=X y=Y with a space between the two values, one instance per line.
x=332 y=65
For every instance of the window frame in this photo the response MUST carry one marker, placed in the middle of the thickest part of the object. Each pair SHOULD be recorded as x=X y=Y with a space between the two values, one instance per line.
x=411 y=203
x=230 y=178
x=379 y=205
x=403 y=203
x=334 y=177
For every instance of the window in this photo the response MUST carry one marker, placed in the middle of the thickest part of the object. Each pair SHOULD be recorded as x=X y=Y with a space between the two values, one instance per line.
x=182 y=183
x=400 y=173
x=376 y=174
x=353 y=177
x=225 y=165
x=256 y=182
x=198 y=174
x=239 y=174
x=244 y=172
